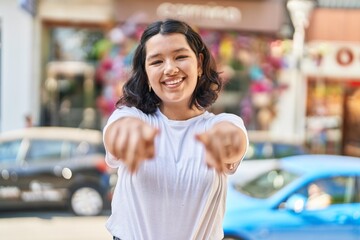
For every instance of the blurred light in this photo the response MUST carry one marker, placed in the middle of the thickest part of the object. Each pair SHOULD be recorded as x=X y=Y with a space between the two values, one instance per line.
x=102 y=166
x=113 y=179
x=299 y=205
x=66 y=173
x=5 y=174
x=35 y=186
x=278 y=182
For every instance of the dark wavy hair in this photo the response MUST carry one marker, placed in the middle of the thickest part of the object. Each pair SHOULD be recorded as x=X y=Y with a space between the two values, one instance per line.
x=136 y=90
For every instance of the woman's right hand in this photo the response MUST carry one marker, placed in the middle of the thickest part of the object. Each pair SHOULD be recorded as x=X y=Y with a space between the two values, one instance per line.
x=130 y=140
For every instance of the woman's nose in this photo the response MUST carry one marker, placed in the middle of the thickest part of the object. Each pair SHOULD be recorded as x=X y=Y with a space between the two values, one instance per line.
x=170 y=68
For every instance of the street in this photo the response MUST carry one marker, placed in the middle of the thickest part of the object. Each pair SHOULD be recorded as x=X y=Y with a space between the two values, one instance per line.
x=54 y=225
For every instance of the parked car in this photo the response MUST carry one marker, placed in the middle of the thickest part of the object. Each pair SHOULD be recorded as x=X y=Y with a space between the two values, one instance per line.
x=304 y=197
x=54 y=166
x=264 y=149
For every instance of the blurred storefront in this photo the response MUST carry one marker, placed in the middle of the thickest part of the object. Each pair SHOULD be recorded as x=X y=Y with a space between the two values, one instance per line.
x=331 y=66
x=69 y=31
x=76 y=55
x=250 y=50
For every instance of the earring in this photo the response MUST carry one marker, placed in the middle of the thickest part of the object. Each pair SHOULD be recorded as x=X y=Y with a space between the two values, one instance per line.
x=149 y=88
x=199 y=75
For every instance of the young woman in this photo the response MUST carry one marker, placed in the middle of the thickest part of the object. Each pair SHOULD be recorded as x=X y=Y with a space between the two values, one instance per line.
x=172 y=155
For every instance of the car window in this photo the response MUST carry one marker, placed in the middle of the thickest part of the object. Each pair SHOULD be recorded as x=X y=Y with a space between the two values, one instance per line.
x=46 y=150
x=101 y=148
x=327 y=191
x=267 y=183
x=259 y=150
x=85 y=148
x=284 y=150
x=80 y=148
x=9 y=151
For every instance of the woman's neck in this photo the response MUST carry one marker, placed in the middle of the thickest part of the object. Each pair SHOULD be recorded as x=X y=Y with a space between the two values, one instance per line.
x=180 y=112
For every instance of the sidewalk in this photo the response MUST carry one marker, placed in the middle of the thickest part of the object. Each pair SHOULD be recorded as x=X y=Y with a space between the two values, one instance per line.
x=53 y=228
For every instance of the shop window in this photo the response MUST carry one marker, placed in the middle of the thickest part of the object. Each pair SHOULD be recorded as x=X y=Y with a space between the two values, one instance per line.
x=70 y=86
x=70 y=94
x=324 y=115
x=74 y=44
x=351 y=136
x=249 y=65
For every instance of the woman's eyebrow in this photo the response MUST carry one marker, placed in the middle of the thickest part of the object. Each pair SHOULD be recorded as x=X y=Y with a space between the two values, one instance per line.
x=153 y=56
x=180 y=50
x=158 y=54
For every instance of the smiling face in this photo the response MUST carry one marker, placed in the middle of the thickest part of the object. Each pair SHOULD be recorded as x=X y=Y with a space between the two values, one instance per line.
x=172 y=69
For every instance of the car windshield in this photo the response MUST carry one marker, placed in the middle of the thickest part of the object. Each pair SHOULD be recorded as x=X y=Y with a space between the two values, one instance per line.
x=266 y=150
x=267 y=183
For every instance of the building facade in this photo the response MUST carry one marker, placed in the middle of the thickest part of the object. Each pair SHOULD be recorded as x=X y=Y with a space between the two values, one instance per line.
x=247 y=46
x=331 y=68
x=18 y=71
x=66 y=62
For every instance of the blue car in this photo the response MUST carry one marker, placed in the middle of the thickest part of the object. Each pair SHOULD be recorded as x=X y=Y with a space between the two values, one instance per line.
x=303 y=197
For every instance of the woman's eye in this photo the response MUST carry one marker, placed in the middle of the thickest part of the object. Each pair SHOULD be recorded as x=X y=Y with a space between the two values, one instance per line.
x=181 y=57
x=155 y=62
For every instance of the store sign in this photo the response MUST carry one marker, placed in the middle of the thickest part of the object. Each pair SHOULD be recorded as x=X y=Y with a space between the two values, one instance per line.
x=198 y=11
x=344 y=56
x=338 y=59
x=228 y=14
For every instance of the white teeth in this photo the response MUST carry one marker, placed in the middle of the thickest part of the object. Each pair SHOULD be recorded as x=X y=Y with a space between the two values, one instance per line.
x=173 y=82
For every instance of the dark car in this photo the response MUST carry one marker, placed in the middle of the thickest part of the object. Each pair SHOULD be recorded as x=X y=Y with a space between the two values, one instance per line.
x=54 y=167
x=303 y=197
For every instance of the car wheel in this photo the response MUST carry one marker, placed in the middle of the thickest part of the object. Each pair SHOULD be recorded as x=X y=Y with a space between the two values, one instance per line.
x=86 y=201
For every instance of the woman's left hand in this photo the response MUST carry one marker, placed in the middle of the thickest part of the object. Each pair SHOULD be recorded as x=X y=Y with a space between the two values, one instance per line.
x=225 y=144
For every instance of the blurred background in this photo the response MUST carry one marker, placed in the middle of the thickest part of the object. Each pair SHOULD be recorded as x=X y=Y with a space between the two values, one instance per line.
x=291 y=67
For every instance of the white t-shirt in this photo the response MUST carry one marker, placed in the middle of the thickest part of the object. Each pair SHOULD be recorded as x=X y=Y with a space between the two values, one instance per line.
x=175 y=195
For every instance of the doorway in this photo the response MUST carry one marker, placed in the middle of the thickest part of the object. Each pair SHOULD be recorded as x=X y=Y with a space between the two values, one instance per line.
x=68 y=95
x=351 y=126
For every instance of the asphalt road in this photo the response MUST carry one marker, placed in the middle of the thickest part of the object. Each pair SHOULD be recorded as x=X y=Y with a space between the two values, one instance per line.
x=52 y=225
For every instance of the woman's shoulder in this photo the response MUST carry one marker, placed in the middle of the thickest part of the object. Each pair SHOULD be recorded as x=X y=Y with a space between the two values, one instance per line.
x=125 y=111
x=230 y=117
x=221 y=116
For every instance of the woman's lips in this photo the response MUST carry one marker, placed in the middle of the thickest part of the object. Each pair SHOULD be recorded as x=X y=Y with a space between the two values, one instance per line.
x=173 y=82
